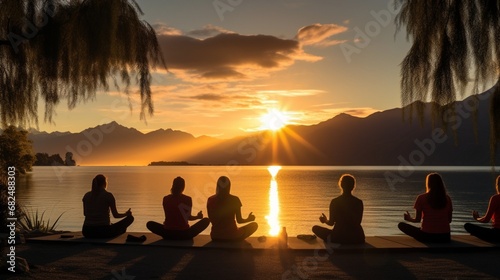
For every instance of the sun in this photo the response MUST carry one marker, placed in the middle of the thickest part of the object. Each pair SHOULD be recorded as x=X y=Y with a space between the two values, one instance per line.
x=274 y=120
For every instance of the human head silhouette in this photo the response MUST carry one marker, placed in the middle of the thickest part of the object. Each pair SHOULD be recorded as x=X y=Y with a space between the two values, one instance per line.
x=223 y=186
x=178 y=185
x=347 y=183
x=434 y=182
x=99 y=183
x=436 y=190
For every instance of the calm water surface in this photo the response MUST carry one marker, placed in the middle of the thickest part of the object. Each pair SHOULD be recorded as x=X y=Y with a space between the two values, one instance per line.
x=304 y=192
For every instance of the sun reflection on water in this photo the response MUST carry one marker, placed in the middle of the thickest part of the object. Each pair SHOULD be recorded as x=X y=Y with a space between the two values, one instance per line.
x=274 y=203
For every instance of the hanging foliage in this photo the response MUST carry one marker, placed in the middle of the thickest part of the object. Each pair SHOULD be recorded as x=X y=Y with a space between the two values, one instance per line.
x=57 y=50
x=454 y=44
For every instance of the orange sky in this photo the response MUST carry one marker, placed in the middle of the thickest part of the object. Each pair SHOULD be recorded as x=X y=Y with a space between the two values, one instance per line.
x=231 y=62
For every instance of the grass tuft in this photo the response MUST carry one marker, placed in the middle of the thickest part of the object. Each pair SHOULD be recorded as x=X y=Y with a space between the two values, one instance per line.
x=33 y=221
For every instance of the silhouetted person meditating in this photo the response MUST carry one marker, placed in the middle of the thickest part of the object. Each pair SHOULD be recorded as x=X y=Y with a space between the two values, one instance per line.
x=434 y=209
x=96 y=207
x=346 y=213
x=224 y=210
x=177 y=208
x=493 y=214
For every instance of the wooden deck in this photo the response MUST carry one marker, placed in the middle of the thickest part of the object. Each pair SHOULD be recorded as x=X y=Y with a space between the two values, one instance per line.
x=373 y=243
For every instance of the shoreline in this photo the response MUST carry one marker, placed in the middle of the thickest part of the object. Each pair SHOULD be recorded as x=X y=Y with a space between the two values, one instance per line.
x=92 y=261
x=400 y=243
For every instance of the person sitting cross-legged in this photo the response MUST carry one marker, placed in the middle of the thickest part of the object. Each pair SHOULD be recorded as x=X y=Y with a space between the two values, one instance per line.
x=97 y=205
x=434 y=210
x=492 y=214
x=346 y=213
x=224 y=210
x=177 y=208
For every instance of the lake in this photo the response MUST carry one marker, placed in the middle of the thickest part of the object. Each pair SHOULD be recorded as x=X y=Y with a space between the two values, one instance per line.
x=299 y=194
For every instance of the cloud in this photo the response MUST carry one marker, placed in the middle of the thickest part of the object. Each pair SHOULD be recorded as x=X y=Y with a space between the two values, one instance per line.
x=229 y=56
x=208 y=31
x=356 y=112
x=223 y=73
x=203 y=97
x=319 y=34
x=163 y=29
x=209 y=97
x=292 y=93
x=360 y=112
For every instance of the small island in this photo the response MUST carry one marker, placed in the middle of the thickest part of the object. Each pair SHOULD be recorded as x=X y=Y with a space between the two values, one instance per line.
x=170 y=163
x=43 y=159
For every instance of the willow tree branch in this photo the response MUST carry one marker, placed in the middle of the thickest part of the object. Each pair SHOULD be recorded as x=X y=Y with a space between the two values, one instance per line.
x=6 y=42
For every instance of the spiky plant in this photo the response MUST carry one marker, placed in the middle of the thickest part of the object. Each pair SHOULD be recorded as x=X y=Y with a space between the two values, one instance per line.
x=33 y=221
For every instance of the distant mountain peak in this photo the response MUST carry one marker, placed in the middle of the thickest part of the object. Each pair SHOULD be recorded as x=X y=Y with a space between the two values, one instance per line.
x=116 y=126
x=382 y=138
x=346 y=116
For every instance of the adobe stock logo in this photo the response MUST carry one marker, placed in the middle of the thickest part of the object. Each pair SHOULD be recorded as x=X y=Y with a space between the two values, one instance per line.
x=223 y=6
x=32 y=29
x=453 y=118
x=373 y=28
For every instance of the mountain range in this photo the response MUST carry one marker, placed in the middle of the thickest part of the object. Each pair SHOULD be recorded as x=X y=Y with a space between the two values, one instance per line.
x=383 y=138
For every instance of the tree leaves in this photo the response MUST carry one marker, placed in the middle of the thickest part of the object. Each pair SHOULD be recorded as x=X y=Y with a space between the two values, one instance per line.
x=68 y=50
x=454 y=43
x=15 y=150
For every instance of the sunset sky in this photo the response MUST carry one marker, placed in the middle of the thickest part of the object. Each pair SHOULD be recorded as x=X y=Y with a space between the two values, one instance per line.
x=232 y=61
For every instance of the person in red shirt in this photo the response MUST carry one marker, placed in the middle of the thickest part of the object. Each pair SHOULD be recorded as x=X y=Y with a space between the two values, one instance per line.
x=97 y=205
x=492 y=214
x=434 y=209
x=346 y=213
x=177 y=208
x=224 y=210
